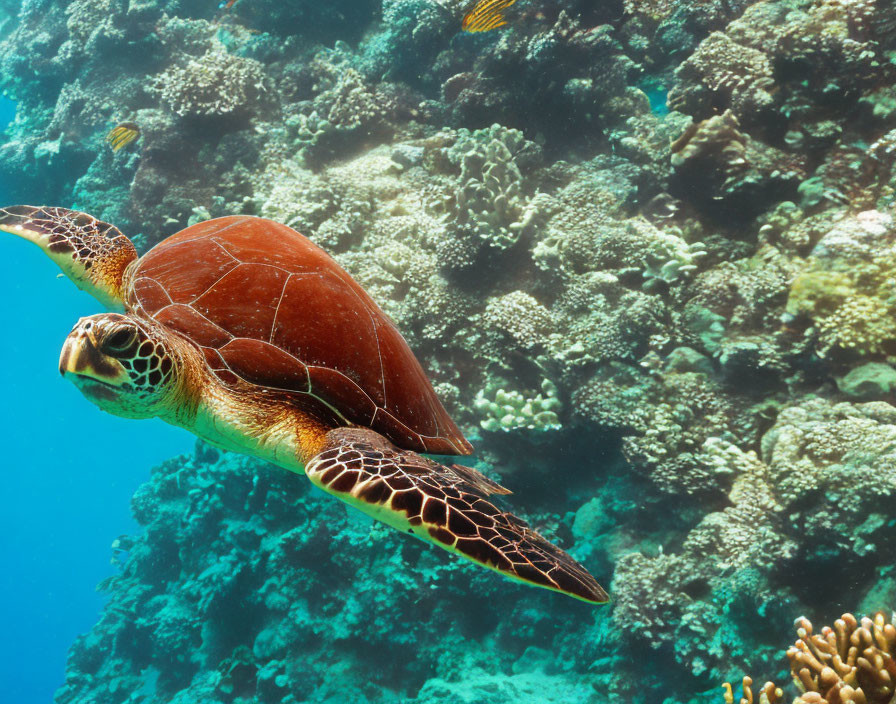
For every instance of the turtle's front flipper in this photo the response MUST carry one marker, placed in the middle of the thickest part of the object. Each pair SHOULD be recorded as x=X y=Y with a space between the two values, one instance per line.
x=445 y=505
x=92 y=253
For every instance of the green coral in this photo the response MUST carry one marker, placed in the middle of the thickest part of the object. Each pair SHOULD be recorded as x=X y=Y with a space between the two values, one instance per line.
x=818 y=293
x=490 y=204
x=863 y=324
x=847 y=293
x=502 y=410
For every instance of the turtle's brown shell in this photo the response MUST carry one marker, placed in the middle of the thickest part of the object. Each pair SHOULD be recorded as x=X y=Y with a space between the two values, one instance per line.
x=267 y=306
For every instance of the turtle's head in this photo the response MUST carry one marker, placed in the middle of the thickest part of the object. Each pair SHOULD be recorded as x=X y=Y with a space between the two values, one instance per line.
x=124 y=366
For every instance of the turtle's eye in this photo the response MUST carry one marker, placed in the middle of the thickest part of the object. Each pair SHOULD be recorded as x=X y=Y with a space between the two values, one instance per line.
x=119 y=341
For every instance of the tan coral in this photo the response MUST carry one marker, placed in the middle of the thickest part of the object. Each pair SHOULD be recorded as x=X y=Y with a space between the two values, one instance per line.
x=722 y=67
x=851 y=663
x=216 y=83
x=769 y=694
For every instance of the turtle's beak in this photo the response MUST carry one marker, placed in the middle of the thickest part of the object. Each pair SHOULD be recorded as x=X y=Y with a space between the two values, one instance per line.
x=82 y=361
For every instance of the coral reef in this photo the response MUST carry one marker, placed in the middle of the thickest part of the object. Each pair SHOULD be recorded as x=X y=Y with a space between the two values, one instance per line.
x=644 y=249
x=303 y=602
x=503 y=410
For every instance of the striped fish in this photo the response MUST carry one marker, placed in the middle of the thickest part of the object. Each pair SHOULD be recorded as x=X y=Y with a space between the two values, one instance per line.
x=122 y=135
x=486 y=15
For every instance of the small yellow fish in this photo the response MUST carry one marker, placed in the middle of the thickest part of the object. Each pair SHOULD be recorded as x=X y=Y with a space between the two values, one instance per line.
x=123 y=135
x=486 y=15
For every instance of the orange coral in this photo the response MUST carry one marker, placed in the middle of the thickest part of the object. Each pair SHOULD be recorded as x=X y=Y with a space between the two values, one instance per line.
x=769 y=694
x=851 y=663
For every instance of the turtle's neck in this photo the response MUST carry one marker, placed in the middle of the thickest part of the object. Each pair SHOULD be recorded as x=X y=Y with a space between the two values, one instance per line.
x=243 y=417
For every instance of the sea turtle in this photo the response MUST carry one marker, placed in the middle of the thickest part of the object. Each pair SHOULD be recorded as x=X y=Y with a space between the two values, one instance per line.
x=244 y=332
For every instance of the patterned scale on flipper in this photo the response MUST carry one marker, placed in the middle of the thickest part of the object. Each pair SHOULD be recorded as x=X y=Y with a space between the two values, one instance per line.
x=446 y=506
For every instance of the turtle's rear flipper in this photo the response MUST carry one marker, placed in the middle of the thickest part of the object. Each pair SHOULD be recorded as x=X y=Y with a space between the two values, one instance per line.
x=92 y=253
x=445 y=506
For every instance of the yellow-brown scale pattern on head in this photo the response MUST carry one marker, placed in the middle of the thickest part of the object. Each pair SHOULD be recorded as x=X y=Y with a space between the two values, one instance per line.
x=119 y=350
x=148 y=363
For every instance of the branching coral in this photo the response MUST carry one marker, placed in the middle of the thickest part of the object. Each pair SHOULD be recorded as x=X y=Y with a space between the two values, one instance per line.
x=768 y=694
x=847 y=663
x=851 y=663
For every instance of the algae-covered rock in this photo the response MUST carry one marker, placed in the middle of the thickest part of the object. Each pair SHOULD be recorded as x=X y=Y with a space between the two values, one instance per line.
x=869 y=382
x=478 y=687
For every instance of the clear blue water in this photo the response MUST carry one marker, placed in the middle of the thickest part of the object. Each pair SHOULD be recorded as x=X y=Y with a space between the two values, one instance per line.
x=69 y=473
x=656 y=93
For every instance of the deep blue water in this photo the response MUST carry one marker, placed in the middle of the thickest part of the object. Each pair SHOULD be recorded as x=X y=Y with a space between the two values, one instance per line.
x=656 y=93
x=68 y=475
